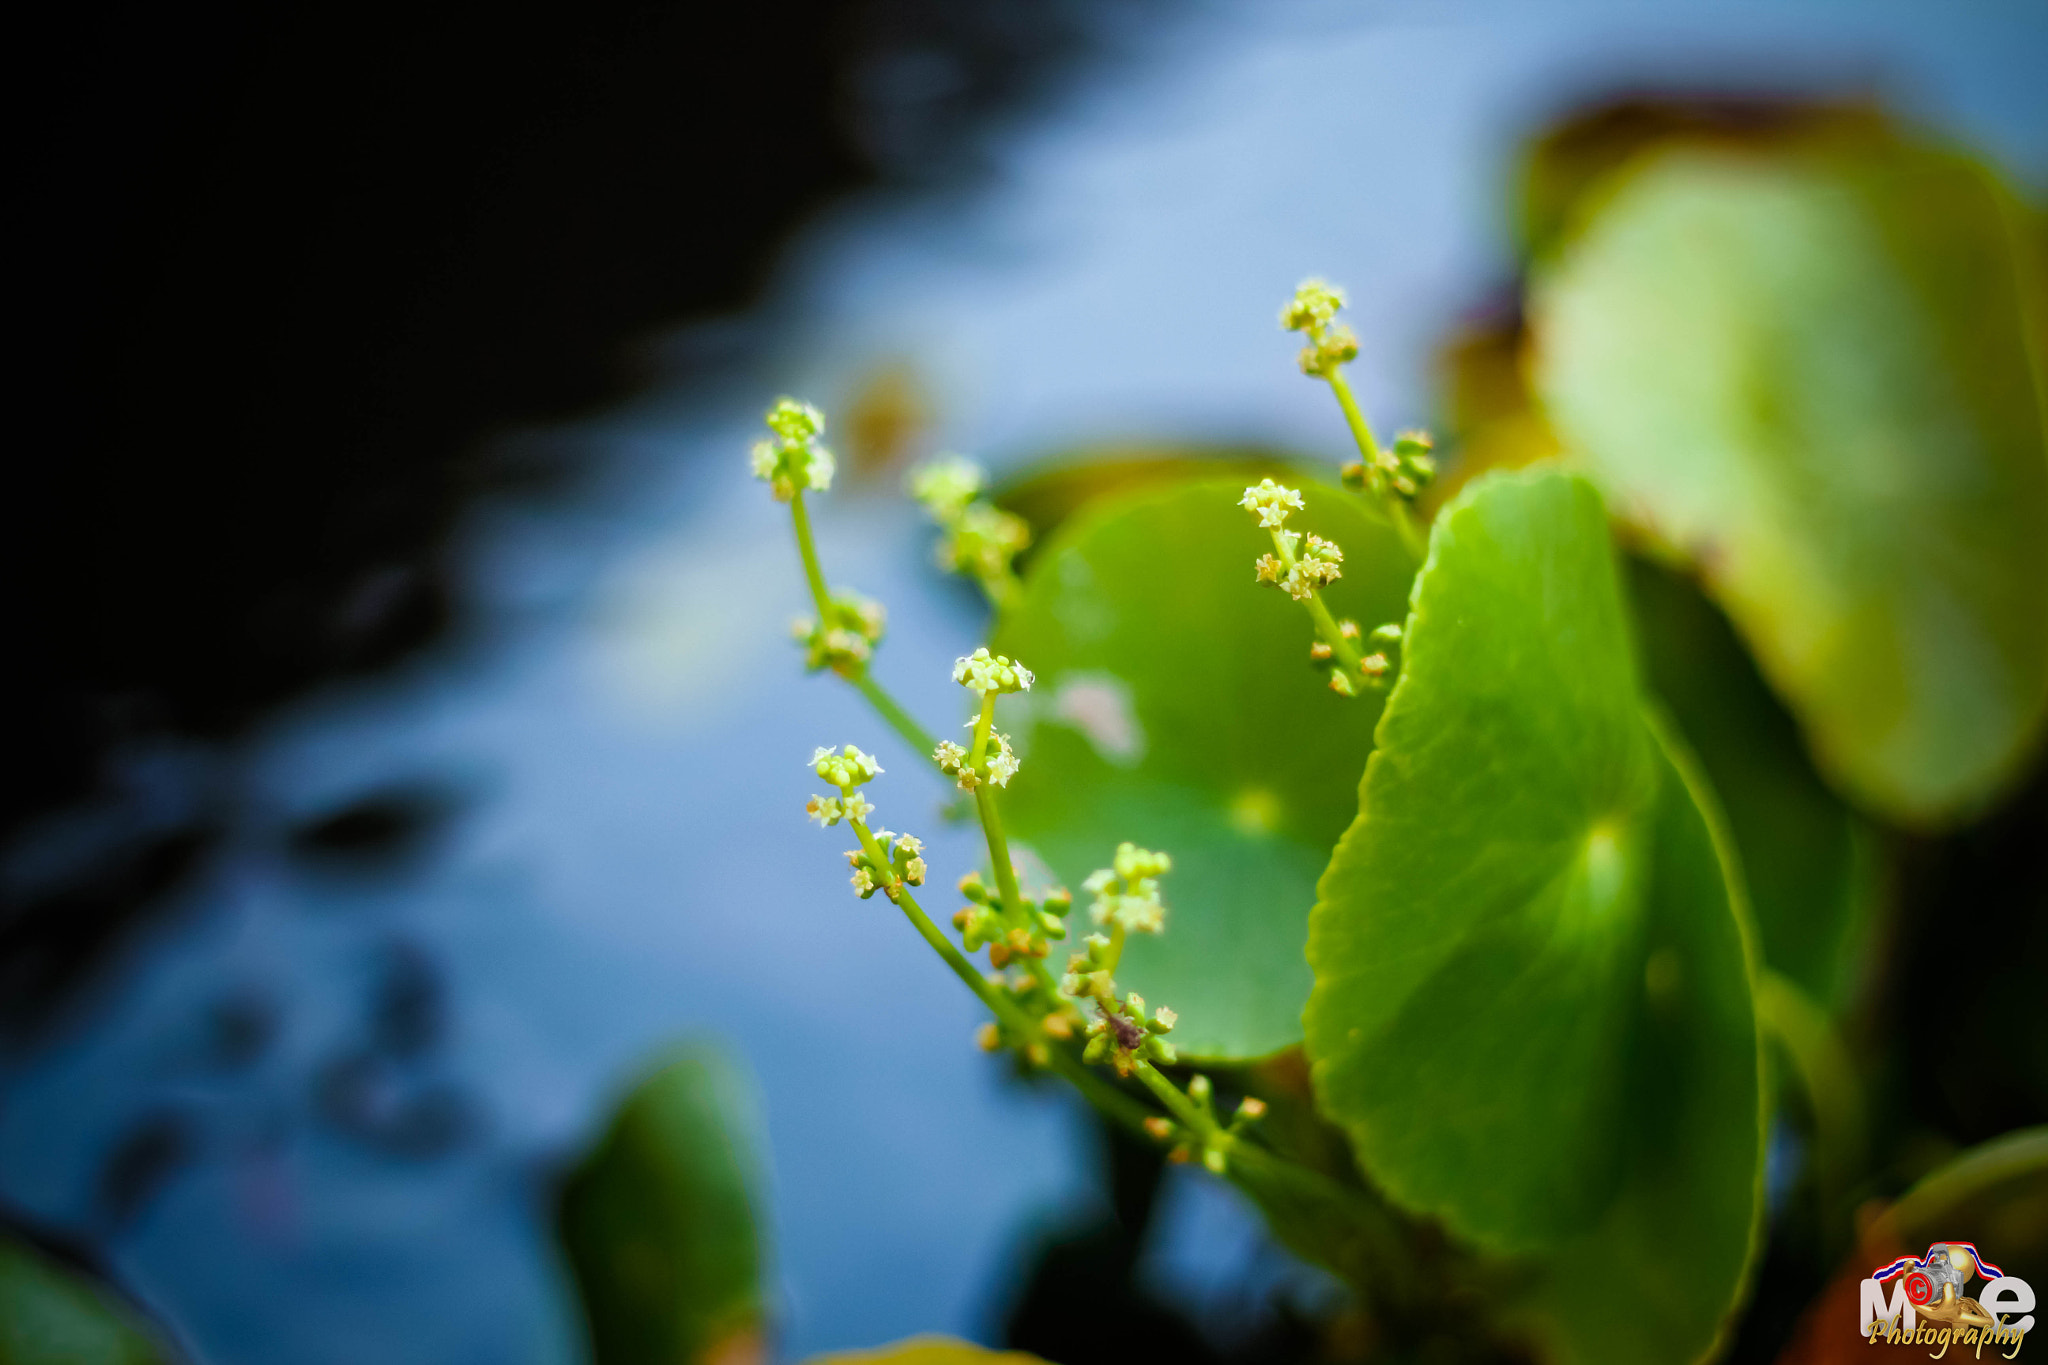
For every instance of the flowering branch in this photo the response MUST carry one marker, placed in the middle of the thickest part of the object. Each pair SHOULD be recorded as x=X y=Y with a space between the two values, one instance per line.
x=1301 y=571
x=1395 y=478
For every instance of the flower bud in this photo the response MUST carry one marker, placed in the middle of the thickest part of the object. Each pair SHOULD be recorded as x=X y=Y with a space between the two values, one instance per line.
x=986 y=673
x=946 y=486
x=846 y=769
x=793 y=460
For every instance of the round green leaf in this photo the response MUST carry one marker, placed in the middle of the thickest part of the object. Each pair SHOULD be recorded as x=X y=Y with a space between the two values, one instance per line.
x=1176 y=707
x=659 y=1222
x=1532 y=1009
x=1807 y=372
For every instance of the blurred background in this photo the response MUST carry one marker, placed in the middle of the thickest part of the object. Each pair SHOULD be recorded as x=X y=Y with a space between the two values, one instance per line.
x=402 y=739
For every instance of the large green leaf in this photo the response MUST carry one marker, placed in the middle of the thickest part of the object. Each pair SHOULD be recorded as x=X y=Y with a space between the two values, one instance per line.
x=1806 y=370
x=659 y=1222
x=53 y=1315
x=1809 y=863
x=1532 y=1007
x=1176 y=707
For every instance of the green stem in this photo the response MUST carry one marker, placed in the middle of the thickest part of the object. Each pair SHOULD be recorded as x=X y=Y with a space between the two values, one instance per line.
x=1115 y=954
x=899 y=719
x=1099 y=1092
x=1361 y=432
x=1177 y=1103
x=1006 y=876
x=1103 y=1096
x=983 y=723
x=999 y=853
x=1392 y=506
x=805 y=547
x=1319 y=612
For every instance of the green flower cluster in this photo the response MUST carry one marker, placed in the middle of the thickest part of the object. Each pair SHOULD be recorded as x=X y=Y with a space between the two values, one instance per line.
x=1127 y=893
x=792 y=460
x=1121 y=1034
x=982 y=922
x=1403 y=471
x=901 y=863
x=845 y=640
x=1313 y=312
x=980 y=539
x=985 y=673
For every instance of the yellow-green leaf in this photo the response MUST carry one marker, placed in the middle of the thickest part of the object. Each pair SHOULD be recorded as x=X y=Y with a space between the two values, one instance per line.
x=1811 y=370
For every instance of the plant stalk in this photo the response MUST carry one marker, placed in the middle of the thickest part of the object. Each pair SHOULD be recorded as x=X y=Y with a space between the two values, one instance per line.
x=1394 y=508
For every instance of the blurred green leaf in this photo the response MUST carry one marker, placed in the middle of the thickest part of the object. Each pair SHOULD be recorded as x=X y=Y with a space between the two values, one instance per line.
x=1806 y=371
x=51 y=1315
x=1568 y=161
x=1176 y=707
x=659 y=1222
x=1532 y=1007
x=1808 y=862
x=1051 y=490
x=927 y=1351
x=1995 y=1195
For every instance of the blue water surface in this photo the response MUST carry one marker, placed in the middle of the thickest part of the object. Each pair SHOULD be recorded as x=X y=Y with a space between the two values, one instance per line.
x=621 y=735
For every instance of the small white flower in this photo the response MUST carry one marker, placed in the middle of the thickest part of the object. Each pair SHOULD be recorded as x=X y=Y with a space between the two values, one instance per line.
x=1271 y=502
x=1002 y=764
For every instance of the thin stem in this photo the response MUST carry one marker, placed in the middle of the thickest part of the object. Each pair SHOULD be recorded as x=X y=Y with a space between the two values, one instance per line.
x=983 y=723
x=1361 y=431
x=1115 y=955
x=1177 y=1103
x=1395 y=508
x=802 y=521
x=1099 y=1092
x=999 y=852
x=899 y=719
x=1093 y=1088
x=1006 y=874
x=1319 y=611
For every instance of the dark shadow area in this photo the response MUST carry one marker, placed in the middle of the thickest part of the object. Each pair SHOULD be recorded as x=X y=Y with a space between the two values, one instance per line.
x=294 y=268
x=1082 y=1299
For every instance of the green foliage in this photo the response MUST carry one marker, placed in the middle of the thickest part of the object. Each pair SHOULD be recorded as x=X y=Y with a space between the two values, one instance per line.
x=1176 y=706
x=927 y=1351
x=1532 y=1008
x=50 y=1315
x=1998 y=1190
x=1808 y=862
x=659 y=1221
x=1810 y=370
